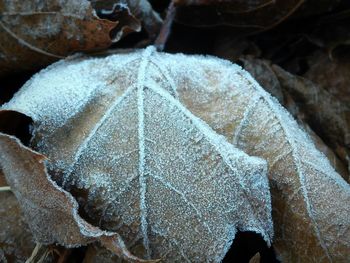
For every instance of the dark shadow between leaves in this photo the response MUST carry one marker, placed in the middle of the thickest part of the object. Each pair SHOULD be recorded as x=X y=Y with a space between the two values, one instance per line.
x=16 y=124
x=246 y=245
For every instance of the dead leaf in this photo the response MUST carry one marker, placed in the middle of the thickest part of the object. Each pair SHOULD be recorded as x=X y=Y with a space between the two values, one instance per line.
x=282 y=88
x=311 y=202
x=331 y=75
x=138 y=162
x=35 y=34
x=326 y=114
x=261 y=70
x=130 y=14
x=16 y=242
x=50 y=211
x=247 y=17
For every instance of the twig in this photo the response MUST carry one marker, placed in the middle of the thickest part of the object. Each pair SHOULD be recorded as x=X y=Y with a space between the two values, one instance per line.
x=165 y=30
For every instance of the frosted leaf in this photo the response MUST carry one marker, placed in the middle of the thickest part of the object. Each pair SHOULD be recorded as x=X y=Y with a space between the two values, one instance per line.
x=51 y=212
x=311 y=202
x=139 y=163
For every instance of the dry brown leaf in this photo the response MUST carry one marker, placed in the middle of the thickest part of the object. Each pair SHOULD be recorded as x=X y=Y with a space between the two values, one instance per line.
x=125 y=11
x=282 y=88
x=331 y=75
x=35 y=33
x=247 y=17
x=261 y=70
x=50 y=211
x=139 y=163
x=16 y=242
x=311 y=202
x=327 y=115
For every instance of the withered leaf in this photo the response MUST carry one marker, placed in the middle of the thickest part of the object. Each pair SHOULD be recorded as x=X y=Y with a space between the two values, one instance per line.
x=311 y=202
x=326 y=114
x=330 y=74
x=36 y=33
x=16 y=241
x=136 y=159
x=309 y=104
x=247 y=17
x=50 y=211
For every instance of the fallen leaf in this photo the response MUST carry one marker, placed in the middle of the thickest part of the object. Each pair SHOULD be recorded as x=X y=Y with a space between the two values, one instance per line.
x=50 y=211
x=327 y=115
x=35 y=34
x=129 y=14
x=283 y=87
x=262 y=71
x=311 y=202
x=247 y=17
x=331 y=75
x=138 y=162
x=16 y=241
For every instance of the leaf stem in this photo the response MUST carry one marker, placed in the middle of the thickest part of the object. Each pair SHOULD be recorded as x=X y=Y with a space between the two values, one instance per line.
x=165 y=30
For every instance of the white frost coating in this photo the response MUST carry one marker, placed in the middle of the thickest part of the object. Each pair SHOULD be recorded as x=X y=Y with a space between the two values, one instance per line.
x=164 y=70
x=245 y=118
x=226 y=150
x=299 y=172
x=283 y=116
x=291 y=139
x=287 y=120
x=86 y=141
x=79 y=83
x=141 y=75
x=122 y=6
x=152 y=170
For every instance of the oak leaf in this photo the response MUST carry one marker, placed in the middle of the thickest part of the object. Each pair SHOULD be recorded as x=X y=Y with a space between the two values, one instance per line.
x=139 y=163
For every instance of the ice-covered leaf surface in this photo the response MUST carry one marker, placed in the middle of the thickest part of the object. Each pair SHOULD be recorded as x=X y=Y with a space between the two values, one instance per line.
x=51 y=212
x=311 y=202
x=138 y=162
